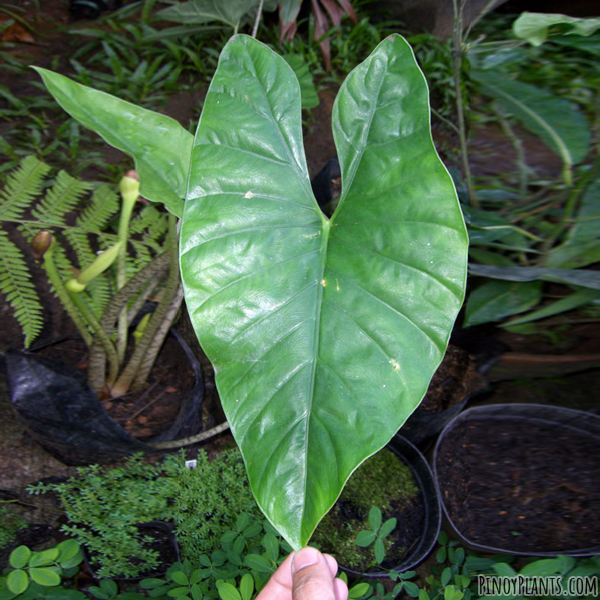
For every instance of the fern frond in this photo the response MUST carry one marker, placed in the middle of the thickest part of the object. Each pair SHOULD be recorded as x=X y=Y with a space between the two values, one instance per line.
x=64 y=266
x=19 y=291
x=22 y=186
x=152 y=223
x=100 y=292
x=141 y=257
x=61 y=198
x=141 y=222
x=103 y=205
x=80 y=242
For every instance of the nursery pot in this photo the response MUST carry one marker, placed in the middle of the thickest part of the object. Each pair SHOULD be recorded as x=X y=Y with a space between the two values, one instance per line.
x=52 y=399
x=522 y=479
x=432 y=512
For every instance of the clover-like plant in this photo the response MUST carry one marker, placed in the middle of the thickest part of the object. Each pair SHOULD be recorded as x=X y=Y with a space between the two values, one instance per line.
x=324 y=333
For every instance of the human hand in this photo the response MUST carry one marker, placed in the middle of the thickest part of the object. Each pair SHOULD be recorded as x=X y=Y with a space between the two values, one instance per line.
x=305 y=575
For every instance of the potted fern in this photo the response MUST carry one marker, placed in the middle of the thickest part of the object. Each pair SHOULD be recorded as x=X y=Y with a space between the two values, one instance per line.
x=101 y=292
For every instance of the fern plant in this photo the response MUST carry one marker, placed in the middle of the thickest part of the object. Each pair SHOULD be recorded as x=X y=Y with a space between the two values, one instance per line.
x=65 y=222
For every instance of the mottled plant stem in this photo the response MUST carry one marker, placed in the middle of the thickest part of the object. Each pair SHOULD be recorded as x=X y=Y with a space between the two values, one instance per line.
x=96 y=369
x=194 y=439
x=147 y=348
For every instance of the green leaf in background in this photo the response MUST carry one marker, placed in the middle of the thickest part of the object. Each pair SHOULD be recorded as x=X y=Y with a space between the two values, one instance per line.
x=43 y=558
x=45 y=576
x=365 y=538
x=578 y=277
x=379 y=549
x=485 y=226
x=548 y=566
x=228 y=591
x=247 y=587
x=258 y=563
x=535 y=27
x=375 y=518
x=359 y=590
x=310 y=99
x=388 y=527
x=575 y=300
x=556 y=121
x=68 y=550
x=495 y=300
x=19 y=557
x=590 y=45
x=324 y=334
x=198 y=12
x=17 y=581
x=582 y=246
x=160 y=146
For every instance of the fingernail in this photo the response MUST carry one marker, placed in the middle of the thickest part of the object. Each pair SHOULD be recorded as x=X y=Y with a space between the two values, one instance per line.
x=305 y=558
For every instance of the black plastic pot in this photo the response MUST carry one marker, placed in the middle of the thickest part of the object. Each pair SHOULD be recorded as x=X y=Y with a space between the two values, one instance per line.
x=423 y=425
x=533 y=452
x=432 y=522
x=52 y=399
x=458 y=379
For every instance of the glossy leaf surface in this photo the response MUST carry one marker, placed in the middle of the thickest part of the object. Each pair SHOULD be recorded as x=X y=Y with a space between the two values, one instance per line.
x=323 y=334
x=160 y=146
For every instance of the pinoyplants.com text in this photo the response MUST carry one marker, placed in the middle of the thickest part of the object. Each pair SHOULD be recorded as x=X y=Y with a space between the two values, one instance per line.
x=519 y=585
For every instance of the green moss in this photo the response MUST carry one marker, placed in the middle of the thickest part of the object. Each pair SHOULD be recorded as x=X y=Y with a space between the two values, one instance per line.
x=383 y=481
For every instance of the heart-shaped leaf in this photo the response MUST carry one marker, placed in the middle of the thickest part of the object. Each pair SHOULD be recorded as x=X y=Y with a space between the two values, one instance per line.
x=323 y=334
x=160 y=146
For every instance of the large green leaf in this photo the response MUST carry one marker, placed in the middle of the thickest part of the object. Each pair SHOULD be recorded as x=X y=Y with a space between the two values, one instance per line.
x=323 y=334
x=555 y=120
x=160 y=146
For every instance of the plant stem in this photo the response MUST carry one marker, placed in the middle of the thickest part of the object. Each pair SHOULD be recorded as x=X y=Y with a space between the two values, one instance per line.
x=447 y=121
x=157 y=341
x=457 y=56
x=128 y=202
x=194 y=439
x=63 y=296
x=522 y=167
x=101 y=336
x=140 y=301
x=147 y=348
x=152 y=270
x=257 y=20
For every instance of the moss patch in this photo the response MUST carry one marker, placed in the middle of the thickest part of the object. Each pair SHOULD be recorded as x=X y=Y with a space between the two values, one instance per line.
x=384 y=481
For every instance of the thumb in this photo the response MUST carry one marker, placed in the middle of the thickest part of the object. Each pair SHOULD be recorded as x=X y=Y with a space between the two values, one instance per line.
x=313 y=577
